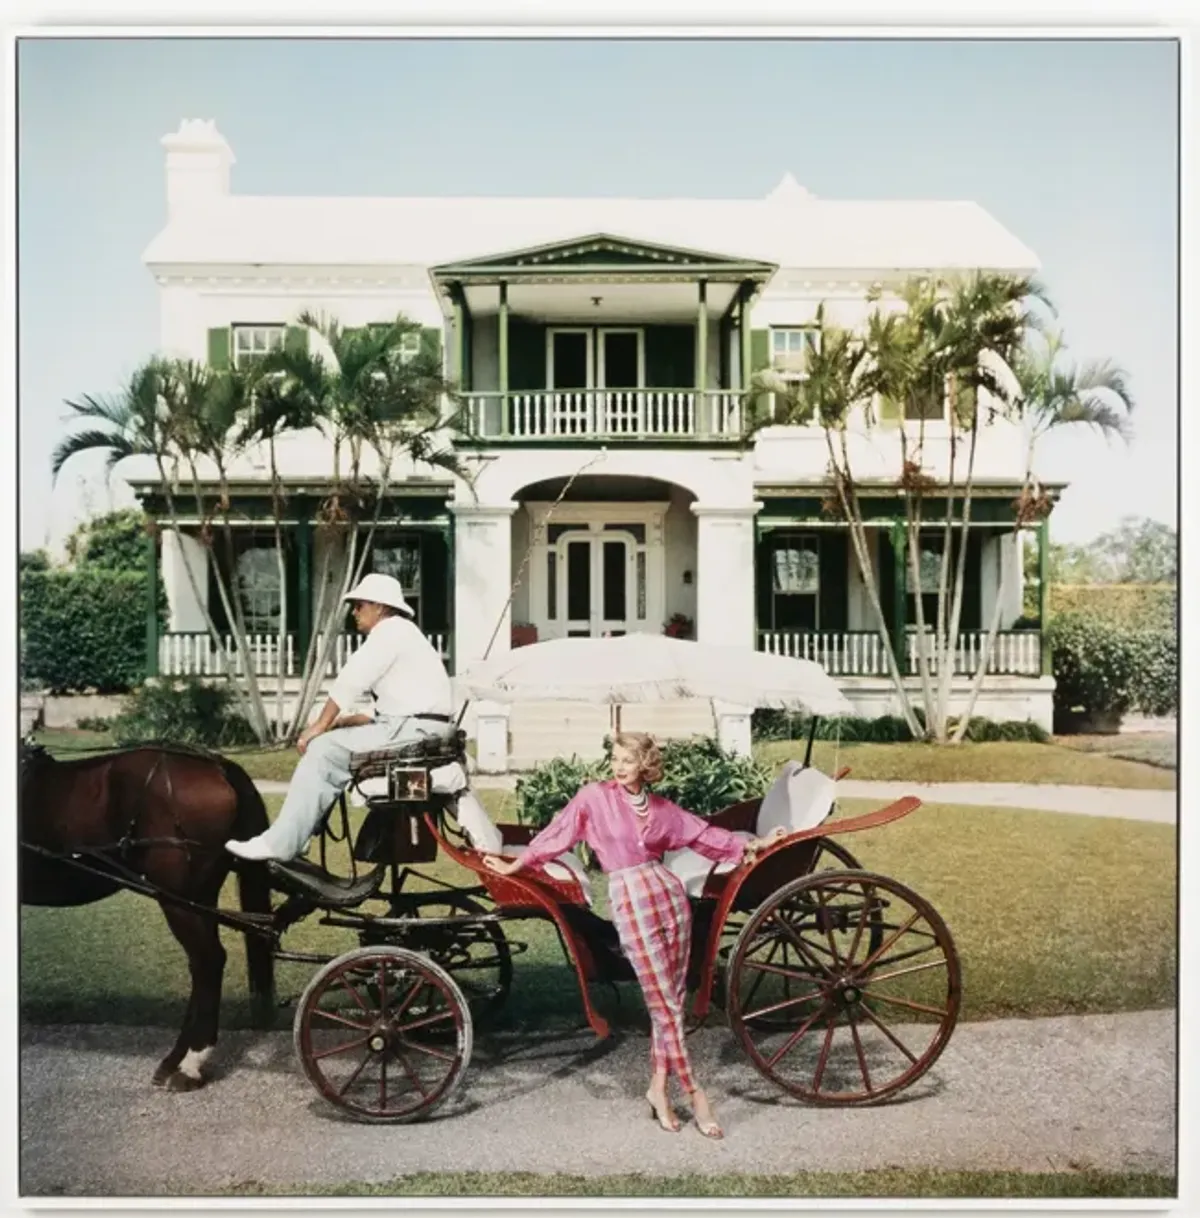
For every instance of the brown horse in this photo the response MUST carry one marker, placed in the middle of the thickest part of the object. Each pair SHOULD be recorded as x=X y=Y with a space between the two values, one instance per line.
x=161 y=814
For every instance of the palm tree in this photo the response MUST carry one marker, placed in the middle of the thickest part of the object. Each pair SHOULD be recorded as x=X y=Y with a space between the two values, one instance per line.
x=373 y=391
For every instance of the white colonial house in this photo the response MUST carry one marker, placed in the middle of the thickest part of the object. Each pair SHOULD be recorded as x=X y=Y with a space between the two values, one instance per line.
x=607 y=339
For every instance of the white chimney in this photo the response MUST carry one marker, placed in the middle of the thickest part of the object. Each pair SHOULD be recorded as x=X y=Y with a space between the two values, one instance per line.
x=198 y=162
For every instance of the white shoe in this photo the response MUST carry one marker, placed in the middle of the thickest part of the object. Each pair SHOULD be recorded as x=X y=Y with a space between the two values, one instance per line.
x=256 y=850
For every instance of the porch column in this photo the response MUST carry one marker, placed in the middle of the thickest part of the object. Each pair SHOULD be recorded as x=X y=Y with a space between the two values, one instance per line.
x=483 y=576
x=1044 y=591
x=725 y=573
x=304 y=591
x=899 y=535
x=502 y=323
x=744 y=336
x=704 y=414
x=152 y=601
x=460 y=338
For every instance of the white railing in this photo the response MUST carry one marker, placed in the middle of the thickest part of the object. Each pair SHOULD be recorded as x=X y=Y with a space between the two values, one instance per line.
x=605 y=413
x=861 y=653
x=849 y=653
x=192 y=653
x=1015 y=653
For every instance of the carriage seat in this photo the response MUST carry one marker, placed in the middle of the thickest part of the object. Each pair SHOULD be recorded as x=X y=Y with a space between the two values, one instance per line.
x=485 y=836
x=800 y=798
x=432 y=751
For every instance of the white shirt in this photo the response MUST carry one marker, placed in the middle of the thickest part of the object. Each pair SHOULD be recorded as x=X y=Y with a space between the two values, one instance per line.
x=400 y=666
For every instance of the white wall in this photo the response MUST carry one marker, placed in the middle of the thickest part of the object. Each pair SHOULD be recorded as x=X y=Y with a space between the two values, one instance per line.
x=679 y=541
x=522 y=528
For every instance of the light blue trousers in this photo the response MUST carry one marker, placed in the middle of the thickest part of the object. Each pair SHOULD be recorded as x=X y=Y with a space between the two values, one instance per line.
x=324 y=772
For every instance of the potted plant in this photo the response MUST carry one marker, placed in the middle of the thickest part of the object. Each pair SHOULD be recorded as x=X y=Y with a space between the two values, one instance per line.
x=523 y=633
x=679 y=627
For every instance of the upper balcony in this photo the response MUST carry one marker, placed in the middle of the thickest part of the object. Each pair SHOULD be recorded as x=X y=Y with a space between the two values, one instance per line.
x=601 y=339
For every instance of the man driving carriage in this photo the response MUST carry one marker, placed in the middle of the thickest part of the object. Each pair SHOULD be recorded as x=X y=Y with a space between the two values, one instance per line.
x=402 y=671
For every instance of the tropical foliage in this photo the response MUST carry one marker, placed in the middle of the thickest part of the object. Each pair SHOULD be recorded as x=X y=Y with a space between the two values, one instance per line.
x=933 y=366
x=374 y=399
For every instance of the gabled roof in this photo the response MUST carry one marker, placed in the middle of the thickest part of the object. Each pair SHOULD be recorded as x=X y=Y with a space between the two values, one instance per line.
x=789 y=230
x=603 y=251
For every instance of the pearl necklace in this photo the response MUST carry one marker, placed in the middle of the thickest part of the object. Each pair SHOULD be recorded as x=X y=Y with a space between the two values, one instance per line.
x=640 y=803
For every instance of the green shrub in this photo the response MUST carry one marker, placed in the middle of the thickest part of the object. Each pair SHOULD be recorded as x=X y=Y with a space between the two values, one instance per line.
x=186 y=711
x=697 y=774
x=1156 y=679
x=94 y=723
x=1141 y=606
x=1095 y=667
x=886 y=729
x=83 y=629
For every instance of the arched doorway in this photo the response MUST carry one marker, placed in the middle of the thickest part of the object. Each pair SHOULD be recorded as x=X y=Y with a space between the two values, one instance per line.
x=615 y=556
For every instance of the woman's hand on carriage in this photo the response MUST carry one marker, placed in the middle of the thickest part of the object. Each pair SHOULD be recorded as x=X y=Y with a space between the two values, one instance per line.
x=500 y=865
x=757 y=844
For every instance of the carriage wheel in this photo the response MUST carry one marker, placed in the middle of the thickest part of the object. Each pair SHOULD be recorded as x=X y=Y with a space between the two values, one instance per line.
x=384 y=1034
x=827 y=1015
x=477 y=957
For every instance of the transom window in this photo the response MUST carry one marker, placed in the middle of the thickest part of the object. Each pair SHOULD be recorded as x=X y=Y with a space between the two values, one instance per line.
x=252 y=344
x=795 y=568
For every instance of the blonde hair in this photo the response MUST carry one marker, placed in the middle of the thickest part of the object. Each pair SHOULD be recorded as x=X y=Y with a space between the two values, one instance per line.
x=646 y=754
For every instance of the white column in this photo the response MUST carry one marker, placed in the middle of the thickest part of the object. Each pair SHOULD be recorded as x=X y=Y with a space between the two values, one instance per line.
x=179 y=553
x=725 y=574
x=482 y=579
x=1012 y=575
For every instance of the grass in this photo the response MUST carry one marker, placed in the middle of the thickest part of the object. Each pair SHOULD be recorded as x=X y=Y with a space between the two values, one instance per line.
x=999 y=761
x=1051 y=914
x=1150 y=748
x=1073 y=764
x=891 y=1182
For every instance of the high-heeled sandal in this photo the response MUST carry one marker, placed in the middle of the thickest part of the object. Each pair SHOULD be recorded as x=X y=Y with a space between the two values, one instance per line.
x=657 y=1115
x=709 y=1128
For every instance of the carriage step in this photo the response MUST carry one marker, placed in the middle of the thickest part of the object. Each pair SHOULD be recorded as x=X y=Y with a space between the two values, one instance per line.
x=334 y=892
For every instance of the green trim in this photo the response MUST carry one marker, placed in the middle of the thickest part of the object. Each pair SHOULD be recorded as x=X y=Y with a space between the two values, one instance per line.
x=502 y=354
x=1044 y=592
x=151 y=603
x=744 y=336
x=304 y=604
x=451 y=632
x=899 y=539
x=704 y=406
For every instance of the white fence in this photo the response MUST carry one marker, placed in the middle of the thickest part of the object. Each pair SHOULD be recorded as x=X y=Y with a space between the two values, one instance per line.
x=861 y=653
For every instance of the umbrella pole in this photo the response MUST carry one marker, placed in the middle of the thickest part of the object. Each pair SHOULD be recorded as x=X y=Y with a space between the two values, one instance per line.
x=615 y=719
x=812 y=733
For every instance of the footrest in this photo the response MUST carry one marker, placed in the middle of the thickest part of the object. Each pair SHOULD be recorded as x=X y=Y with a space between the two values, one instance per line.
x=307 y=879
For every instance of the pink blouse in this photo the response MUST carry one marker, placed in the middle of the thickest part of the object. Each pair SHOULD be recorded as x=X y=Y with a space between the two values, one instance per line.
x=601 y=815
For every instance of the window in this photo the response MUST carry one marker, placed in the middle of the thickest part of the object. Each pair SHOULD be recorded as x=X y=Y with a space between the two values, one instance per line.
x=791 y=349
x=410 y=346
x=252 y=344
x=930 y=565
x=401 y=558
x=258 y=589
x=795 y=572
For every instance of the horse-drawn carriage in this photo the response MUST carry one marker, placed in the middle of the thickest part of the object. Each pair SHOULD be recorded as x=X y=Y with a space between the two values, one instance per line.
x=841 y=985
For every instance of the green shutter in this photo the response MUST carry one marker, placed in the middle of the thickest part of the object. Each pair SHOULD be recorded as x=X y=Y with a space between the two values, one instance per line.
x=760 y=350
x=295 y=338
x=887 y=580
x=218 y=347
x=971 y=618
x=526 y=355
x=762 y=582
x=670 y=357
x=835 y=554
x=431 y=342
x=888 y=411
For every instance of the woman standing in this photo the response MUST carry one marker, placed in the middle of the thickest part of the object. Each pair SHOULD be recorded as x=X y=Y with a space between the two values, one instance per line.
x=629 y=830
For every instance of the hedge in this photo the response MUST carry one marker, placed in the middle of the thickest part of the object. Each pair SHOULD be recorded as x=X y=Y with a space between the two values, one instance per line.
x=185 y=711
x=1144 y=606
x=1105 y=669
x=886 y=729
x=83 y=629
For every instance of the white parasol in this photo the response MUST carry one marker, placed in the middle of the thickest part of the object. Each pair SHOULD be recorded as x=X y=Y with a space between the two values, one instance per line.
x=652 y=668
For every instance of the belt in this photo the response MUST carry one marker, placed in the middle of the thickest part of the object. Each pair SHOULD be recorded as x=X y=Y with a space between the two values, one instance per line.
x=435 y=718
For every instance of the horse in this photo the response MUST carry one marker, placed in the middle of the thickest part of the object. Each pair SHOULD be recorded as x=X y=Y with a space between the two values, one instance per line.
x=159 y=814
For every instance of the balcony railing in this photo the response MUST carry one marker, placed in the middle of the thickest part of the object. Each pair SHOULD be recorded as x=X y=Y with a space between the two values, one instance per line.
x=860 y=653
x=634 y=414
x=192 y=653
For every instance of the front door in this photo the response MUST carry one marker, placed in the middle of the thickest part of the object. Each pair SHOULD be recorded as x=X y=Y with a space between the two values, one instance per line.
x=595 y=574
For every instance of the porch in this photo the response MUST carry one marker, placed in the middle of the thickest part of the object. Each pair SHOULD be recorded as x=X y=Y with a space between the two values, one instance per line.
x=601 y=338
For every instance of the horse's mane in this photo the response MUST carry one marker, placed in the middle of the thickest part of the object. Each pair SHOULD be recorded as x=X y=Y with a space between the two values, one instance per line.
x=98 y=752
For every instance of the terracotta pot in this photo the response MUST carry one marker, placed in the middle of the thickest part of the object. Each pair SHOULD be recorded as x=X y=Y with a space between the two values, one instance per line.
x=522 y=636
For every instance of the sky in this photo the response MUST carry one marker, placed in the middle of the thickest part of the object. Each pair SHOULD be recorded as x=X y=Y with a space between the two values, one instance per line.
x=1072 y=145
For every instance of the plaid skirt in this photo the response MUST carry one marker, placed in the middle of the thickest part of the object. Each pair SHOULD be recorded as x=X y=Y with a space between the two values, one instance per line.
x=654 y=922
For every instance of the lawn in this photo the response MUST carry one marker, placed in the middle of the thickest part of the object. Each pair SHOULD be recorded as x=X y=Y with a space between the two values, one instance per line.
x=1051 y=914
x=1150 y=748
x=892 y=1182
x=999 y=761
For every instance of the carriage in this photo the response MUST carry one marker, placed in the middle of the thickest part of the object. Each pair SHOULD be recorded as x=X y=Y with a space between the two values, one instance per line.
x=841 y=986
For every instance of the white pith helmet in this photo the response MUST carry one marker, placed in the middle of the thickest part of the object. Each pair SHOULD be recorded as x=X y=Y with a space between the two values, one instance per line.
x=381 y=590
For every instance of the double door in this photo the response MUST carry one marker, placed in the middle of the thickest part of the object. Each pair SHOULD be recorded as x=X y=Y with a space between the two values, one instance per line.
x=594 y=375
x=600 y=583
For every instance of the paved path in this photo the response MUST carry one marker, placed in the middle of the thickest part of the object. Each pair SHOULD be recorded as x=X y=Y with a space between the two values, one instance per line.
x=1031 y=1095
x=1159 y=807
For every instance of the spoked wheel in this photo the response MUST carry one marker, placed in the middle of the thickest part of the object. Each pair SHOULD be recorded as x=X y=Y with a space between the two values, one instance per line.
x=824 y=1014
x=476 y=955
x=384 y=1034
